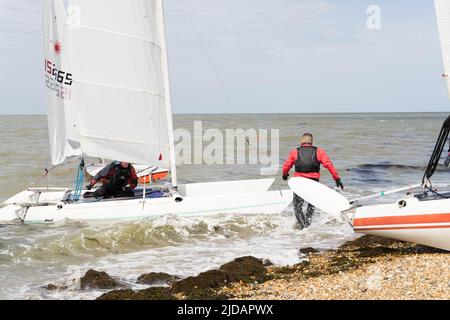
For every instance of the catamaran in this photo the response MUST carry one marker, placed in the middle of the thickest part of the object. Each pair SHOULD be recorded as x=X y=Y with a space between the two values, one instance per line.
x=108 y=97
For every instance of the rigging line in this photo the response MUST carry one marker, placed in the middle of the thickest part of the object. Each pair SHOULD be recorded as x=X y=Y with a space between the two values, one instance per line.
x=105 y=85
x=437 y=194
x=88 y=136
x=437 y=152
x=79 y=182
x=120 y=34
x=202 y=42
x=49 y=170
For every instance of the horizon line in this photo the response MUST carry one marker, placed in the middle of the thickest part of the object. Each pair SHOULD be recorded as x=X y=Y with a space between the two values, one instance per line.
x=250 y=113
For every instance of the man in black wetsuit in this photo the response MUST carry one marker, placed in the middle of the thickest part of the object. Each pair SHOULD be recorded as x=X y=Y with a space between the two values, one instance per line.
x=119 y=180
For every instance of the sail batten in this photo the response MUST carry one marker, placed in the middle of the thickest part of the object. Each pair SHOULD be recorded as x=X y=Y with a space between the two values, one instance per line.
x=123 y=140
x=116 y=87
x=119 y=34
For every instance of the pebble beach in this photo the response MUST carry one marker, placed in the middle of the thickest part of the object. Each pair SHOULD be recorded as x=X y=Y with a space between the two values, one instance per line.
x=368 y=268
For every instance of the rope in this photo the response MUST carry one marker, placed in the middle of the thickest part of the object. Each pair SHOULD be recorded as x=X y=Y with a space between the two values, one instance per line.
x=436 y=194
x=47 y=172
x=208 y=56
x=79 y=182
x=42 y=178
x=437 y=152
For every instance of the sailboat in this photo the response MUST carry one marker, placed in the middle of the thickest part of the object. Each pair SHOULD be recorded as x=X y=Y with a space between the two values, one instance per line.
x=108 y=97
x=422 y=215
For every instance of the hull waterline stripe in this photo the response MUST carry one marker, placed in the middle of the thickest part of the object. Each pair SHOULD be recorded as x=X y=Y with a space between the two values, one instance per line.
x=401 y=228
x=410 y=219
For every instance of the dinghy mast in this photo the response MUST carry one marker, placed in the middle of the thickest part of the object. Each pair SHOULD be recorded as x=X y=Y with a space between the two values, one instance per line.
x=437 y=152
x=166 y=77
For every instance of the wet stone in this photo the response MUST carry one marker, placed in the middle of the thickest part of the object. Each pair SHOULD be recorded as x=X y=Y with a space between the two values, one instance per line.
x=308 y=250
x=98 y=280
x=244 y=269
x=198 y=286
x=51 y=287
x=154 y=293
x=157 y=278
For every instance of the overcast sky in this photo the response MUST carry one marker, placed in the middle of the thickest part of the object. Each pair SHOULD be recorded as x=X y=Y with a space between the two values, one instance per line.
x=264 y=56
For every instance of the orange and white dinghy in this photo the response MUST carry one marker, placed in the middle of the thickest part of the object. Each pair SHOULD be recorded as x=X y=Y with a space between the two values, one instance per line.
x=414 y=219
x=422 y=218
x=146 y=174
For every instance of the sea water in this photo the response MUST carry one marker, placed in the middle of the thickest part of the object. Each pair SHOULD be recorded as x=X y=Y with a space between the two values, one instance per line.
x=372 y=152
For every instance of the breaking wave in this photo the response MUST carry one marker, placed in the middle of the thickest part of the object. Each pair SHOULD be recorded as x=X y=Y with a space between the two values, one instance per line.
x=80 y=241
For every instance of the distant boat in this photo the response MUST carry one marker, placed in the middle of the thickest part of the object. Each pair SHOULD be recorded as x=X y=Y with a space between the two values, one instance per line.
x=108 y=96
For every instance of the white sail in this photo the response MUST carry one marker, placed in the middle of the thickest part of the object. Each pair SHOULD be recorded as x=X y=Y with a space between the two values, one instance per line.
x=443 y=20
x=119 y=57
x=58 y=82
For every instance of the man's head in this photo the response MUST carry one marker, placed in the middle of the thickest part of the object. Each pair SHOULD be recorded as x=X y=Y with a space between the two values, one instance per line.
x=124 y=164
x=306 y=138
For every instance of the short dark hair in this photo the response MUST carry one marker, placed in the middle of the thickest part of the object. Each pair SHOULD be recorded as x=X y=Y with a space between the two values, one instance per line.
x=306 y=138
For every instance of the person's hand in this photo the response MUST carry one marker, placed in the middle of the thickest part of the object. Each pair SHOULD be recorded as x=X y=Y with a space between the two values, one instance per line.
x=285 y=177
x=91 y=184
x=127 y=188
x=339 y=183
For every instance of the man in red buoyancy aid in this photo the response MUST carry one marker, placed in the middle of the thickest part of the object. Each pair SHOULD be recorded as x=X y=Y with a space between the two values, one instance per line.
x=119 y=181
x=307 y=160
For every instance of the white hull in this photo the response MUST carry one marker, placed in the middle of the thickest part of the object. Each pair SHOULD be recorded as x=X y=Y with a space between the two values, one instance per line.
x=216 y=198
x=423 y=222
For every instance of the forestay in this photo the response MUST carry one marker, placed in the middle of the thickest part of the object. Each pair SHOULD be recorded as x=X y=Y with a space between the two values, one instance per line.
x=58 y=82
x=121 y=80
x=443 y=21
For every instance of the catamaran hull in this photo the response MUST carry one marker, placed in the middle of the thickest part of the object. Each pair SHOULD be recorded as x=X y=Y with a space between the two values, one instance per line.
x=423 y=222
x=260 y=202
x=197 y=199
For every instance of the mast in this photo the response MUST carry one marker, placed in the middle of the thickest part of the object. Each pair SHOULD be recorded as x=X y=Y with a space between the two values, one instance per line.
x=168 y=105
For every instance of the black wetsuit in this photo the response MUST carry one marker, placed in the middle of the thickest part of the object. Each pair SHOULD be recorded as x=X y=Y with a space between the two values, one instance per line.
x=118 y=179
x=303 y=210
x=306 y=162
